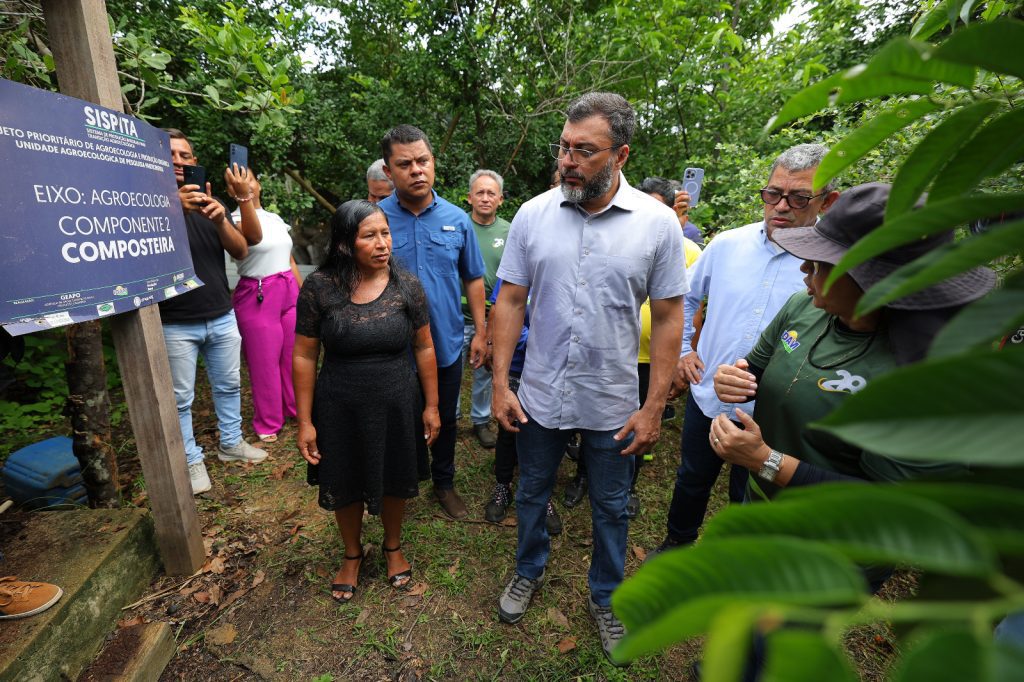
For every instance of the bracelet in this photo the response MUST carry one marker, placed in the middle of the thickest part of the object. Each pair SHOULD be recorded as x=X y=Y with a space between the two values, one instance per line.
x=242 y=200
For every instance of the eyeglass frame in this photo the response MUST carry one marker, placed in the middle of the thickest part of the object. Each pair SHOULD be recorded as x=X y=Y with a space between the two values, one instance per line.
x=557 y=151
x=788 y=199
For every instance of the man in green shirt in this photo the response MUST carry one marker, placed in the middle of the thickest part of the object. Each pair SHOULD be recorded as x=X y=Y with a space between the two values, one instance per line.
x=485 y=196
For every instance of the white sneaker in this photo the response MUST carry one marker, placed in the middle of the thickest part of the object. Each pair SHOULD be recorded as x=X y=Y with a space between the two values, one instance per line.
x=242 y=452
x=199 y=478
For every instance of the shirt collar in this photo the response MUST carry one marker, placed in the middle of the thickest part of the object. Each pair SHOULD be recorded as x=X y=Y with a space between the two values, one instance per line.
x=429 y=208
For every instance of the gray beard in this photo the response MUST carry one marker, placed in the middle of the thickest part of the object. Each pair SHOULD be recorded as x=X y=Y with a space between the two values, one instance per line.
x=596 y=186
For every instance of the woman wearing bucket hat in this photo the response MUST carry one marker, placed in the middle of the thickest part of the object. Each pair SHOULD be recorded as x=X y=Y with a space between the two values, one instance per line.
x=816 y=352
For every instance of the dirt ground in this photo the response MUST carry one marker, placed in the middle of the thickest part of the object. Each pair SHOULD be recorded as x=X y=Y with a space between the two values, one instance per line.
x=261 y=607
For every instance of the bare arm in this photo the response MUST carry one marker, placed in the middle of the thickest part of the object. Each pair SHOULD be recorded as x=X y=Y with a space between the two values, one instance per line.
x=295 y=271
x=506 y=325
x=426 y=366
x=666 y=335
x=304 y=359
x=237 y=180
x=475 y=298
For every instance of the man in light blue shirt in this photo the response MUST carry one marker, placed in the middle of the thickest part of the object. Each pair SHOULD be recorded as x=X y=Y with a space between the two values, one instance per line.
x=746 y=278
x=590 y=252
x=434 y=240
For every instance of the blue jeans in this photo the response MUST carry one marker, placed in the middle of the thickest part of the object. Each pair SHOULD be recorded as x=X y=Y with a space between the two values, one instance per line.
x=220 y=344
x=609 y=473
x=698 y=469
x=480 y=413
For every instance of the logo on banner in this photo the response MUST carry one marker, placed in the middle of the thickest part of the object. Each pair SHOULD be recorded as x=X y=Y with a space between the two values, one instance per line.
x=120 y=290
x=105 y=309
x=170 y=292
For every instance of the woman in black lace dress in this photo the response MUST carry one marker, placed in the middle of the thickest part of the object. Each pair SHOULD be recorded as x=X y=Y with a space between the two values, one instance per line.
x=357 y=425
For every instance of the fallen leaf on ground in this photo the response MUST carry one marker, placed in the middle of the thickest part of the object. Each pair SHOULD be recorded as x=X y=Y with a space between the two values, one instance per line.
x=186 y=591
x=214 y=565
x=232 y=598
x=454 y=568
x=208 y=546
x=129 y=622
x=321 y=571
x=215 y=594
x=567 y=645
x=280 y=471
x=508 y=521
x=202 y=597
x=363 y=615
x=418 y=589
x=639 y=552
x=220 y=636
x=558 y=618
x=258 y=578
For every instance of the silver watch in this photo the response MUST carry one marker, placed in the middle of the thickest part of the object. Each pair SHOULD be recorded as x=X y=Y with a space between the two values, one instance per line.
x=770 y=468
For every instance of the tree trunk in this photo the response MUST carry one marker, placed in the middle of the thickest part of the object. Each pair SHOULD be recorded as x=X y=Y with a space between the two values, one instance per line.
x=89 y=408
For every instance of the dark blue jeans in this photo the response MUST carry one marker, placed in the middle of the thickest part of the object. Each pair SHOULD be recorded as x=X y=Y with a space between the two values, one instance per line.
x=698 y=470
x=540 y=451
x=442 y=452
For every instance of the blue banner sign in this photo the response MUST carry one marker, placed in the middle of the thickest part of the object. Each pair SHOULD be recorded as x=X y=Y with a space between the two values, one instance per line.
x=90 y=221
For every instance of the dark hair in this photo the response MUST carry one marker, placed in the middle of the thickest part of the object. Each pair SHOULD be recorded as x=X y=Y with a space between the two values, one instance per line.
x=613 y=108
x=340 y=263
x=402 y=134
x=658 y=186
x=176 y=134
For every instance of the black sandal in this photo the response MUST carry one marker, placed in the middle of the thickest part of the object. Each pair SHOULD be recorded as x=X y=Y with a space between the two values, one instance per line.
x=396 y=579
x=345 y=587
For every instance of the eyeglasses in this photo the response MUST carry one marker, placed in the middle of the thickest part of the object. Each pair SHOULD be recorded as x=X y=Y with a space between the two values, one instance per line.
x=774 y=196
x=574 y=154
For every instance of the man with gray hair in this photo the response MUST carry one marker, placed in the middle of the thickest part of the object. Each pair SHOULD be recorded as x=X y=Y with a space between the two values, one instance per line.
x=589 y=252
x=745 y=278
x=485 y=196
x=378 y=184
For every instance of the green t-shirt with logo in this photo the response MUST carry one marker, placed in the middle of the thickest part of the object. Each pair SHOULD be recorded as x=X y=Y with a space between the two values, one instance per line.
x=492 y=244
x=811 y=364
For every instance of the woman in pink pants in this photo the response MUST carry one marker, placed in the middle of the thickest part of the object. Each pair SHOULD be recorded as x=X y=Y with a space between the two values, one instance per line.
x=264 y=302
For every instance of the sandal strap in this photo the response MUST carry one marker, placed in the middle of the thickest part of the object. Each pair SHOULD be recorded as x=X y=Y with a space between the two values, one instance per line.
x=353 y=558
x=393 y=549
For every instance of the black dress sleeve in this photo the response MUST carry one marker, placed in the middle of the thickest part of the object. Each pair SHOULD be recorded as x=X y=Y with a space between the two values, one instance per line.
x=808 y=474
x=309 y=308
x=416 y=306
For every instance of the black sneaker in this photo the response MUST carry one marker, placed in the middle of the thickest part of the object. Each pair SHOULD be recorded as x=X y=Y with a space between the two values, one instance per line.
x=553 y=520
x=497 y=508
x=575 y=491
x=668 y=543
x=572 y=448
x=632 y=504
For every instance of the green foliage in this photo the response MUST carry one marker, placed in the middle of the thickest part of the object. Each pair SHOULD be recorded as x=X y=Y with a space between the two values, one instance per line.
x=959 y=135
x=34 y=403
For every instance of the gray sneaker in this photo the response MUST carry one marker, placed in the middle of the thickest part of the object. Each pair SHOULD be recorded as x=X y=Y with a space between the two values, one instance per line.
x=198 y=477
x=241 y=452
x=609 y=628
x=516 y=597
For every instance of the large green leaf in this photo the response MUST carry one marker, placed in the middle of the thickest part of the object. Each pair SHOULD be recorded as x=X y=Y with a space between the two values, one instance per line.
x=958 y=655
x=675 y=595
x=803 y=656
x=931 y=21
x=963 y=408
x=994 y=45
x=996 y=147
x=943 y=263
x=869 y=524
x=863 y=139
x=909 y=58
x=985 y=320
x=932 y=153
x=937 y=216
x=728 y=641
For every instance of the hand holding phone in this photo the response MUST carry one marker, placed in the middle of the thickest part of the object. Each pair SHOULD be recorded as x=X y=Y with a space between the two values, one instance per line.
x=693 y=179
x=193 y=176
x=238 y=154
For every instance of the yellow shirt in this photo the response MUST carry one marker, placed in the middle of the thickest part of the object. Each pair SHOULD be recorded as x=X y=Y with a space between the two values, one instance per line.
x=690 y=252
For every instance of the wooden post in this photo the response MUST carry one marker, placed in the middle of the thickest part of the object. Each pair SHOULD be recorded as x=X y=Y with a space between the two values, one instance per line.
x=84 y=57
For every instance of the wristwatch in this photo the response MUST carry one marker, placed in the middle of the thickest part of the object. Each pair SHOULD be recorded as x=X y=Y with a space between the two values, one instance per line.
x=770 y=468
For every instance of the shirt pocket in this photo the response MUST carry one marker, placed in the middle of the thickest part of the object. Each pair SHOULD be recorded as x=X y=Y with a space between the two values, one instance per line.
x=624 y=284
x=445 y=249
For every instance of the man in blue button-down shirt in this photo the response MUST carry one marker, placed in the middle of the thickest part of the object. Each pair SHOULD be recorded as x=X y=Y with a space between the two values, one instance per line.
x=590 y=252
x=435 y=241
x=746 y=278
